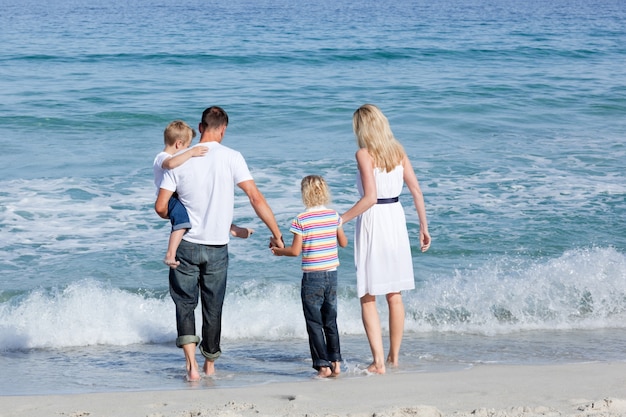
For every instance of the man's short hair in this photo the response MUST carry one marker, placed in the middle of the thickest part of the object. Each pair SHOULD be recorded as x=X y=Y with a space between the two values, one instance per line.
x=214 y=117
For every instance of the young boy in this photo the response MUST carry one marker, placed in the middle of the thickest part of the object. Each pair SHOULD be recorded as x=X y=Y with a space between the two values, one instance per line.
x=316 y=233
x=177 y=136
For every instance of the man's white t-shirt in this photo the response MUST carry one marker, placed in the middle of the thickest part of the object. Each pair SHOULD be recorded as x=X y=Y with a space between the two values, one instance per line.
x=206 y=187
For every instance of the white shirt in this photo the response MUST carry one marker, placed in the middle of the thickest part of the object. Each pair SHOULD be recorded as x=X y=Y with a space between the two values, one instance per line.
x=158 y=170
x=206 y=187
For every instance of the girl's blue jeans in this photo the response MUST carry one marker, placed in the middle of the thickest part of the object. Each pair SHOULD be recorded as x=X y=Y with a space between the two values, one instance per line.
x=319 y=303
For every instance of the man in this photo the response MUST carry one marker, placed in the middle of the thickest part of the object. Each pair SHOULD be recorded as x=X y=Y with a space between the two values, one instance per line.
x=206 y=185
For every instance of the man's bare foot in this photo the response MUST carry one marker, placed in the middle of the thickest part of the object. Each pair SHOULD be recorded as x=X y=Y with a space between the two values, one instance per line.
x=324 y=372
x=376 y=369
x=172 y=263
x=336 y=369
x=242 y=232
x=192 y=372
x=209 y=367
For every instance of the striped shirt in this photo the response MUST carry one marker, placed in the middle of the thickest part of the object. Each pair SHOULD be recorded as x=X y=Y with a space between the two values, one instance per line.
x=318 y=228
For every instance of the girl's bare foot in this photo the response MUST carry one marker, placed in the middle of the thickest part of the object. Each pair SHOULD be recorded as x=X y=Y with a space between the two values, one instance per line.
x=336 y=369
x=376 y=369
x=172 y=263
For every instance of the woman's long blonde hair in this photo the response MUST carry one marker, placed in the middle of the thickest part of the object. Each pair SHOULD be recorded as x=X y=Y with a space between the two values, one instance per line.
x=373 y=133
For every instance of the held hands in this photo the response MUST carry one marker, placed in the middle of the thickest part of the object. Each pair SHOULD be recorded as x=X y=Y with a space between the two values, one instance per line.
x=276 y=243
x=424 y=241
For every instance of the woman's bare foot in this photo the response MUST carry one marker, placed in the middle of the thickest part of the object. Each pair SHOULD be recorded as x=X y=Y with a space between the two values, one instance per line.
x=241 y=232
x=209 y=367
x=336 y=369
x=324 y=372
x=376 y=369
x=391 y=362
x=172 y=263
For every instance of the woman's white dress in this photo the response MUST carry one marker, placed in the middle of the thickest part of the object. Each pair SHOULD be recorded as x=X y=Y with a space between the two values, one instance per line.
x=382 y=252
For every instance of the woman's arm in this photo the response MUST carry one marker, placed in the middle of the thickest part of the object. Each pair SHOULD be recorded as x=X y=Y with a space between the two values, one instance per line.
x=342 y=240
x=366 y=171
x=418 y=199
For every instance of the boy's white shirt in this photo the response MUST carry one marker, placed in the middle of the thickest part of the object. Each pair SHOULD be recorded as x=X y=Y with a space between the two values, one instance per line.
x=158 y=170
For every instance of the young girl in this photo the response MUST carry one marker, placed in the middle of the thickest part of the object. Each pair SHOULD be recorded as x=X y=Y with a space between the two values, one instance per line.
x=316 y=233
x=382 y=251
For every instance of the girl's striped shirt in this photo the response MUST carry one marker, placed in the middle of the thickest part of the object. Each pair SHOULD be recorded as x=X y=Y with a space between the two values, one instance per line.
x=318 y=228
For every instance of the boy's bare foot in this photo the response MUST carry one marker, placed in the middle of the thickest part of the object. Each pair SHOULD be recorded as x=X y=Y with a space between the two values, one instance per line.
x=209 y=367
x=336 y=369
x=376 y=369
x=241 y=232
x=324 y=372
x=172 y=263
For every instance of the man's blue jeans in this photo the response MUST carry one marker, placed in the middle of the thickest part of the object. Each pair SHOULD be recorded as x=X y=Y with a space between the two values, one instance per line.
x=319 y=303
x=202 y=271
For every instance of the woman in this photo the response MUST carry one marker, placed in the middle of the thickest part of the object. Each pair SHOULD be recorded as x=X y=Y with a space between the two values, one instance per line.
x=382 y=251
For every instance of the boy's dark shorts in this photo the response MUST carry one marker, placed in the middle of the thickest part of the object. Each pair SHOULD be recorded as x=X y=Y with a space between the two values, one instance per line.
x=178 y=214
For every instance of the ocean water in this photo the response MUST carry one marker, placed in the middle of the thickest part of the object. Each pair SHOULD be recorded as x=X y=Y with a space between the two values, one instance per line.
x=513 y=114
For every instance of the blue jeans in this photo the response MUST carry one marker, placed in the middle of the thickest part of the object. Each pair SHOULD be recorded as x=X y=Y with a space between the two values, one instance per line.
x=319 y=303
x=202 y=271
x=177 y=213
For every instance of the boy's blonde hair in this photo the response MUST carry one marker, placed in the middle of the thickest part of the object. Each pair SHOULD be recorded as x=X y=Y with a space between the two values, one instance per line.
x=373 y=133
x=178 y=130
x=315 y=191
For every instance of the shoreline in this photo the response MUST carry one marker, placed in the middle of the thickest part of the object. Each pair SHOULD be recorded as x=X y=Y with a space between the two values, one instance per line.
x=581 y=389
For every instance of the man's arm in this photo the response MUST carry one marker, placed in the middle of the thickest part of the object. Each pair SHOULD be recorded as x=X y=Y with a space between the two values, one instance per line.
x=162 y=202
x=262 y=209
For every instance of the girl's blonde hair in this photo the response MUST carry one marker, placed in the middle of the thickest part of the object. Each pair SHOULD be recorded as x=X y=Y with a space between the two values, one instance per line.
x=373 y=133
x=315 y=191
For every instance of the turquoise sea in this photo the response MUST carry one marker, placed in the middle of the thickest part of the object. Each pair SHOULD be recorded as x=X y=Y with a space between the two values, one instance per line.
x=512 y=112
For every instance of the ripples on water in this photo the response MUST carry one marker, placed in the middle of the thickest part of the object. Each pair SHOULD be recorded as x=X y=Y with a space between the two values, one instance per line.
x=512 y=113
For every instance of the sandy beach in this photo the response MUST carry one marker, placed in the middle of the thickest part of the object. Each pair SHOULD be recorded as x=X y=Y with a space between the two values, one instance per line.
x=591 y=389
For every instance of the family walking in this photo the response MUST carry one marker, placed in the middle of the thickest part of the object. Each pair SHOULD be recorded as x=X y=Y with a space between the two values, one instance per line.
x=196 y=188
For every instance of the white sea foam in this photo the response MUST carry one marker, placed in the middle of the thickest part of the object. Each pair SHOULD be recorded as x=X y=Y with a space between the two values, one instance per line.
x=82 y=314
x=582 y=289
x=76 y=243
